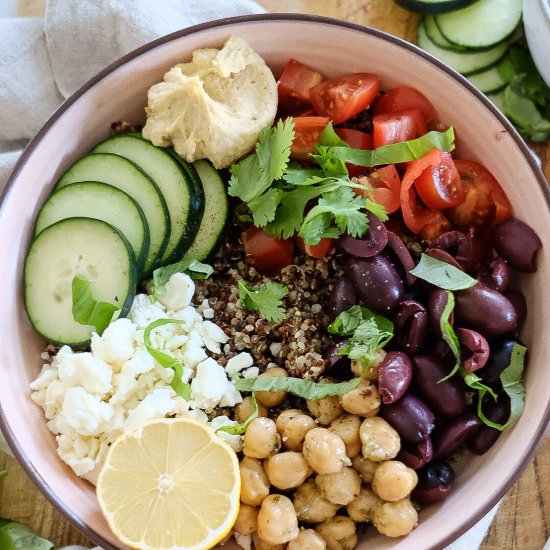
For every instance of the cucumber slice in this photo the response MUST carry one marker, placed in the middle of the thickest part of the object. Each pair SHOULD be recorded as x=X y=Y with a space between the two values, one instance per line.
x=434 y=34
x=489 y=81
x=498 y=99
x=464 y=62
x=126 y=176
x=86 y=247
x=101 y=201
x=429 y=7
x=481 y=25
x=184 y=198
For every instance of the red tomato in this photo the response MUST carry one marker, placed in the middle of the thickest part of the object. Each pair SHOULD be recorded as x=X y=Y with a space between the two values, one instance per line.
x=307 y=131
x=396 y=127
x=439 y=186
x=294 y=84
x=485 y=202
x=386 y=187
x=318 y=251
x=417 y=217
x=404 y=98
x=344 y=97
x=267 y=254
x=357 y=140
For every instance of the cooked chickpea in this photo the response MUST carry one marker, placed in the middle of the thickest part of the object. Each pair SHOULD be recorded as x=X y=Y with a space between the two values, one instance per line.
x=293 y=425
x=277 y=521
x=380 y=440
x=310 y=505
x=347 y=427
x=308 y=539
x=341 y=487
x=362 y=507
x=254 y=481
x=338 y=532
x=261 y=544
x=325 y=451
x=247 y=519
x=395 y=519
x=393 y=480
x=287 y=470
x=365 y=467
x=272 y=398
x=325 y=410
x=245 y=408
x=370 y=371
x=261 y=438
x=363 y=400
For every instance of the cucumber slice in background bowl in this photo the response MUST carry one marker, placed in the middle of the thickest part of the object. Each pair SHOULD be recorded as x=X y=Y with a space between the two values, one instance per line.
x=432 y=7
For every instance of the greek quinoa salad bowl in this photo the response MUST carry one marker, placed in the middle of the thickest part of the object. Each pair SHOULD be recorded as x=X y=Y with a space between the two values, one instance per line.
x=269 y=294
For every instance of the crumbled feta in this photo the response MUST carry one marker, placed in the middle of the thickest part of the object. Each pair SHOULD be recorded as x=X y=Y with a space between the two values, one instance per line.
x=236 y=364
x=244 y=541
x=116 y=344
x=251 y=372
x=231 y=397
x=178 y=292
x=86 y=413
x=235 y=441
x=209 y=385
x=83 y=369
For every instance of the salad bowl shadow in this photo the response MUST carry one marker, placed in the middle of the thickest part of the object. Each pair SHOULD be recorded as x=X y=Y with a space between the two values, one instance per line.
x=120 y=93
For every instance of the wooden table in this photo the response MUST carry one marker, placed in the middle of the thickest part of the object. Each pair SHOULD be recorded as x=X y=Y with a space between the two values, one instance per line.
x=523 y=521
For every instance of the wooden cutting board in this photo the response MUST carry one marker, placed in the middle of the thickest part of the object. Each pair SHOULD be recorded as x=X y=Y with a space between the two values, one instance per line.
x=523 y=521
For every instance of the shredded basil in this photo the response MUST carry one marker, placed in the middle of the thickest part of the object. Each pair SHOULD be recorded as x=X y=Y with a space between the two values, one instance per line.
x=449 y=335
x=15 y=536
x=89 y=311
x=442 y=274
x=193 y=268
x=241 y=428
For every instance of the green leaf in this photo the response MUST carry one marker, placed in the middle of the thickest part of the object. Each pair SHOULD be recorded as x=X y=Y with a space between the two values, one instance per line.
x=297 y=175
x=241 y=428
x=87 y=310
x=245 y=178
x=449 y=335
x=442 y=274
x=347 y=322
x=473 y=381
x=267 y=299
x=302 y=388
x=199 y=270
x=3 y=473
x=331 y=166
x=190 y=266
x=263 y=208
x=15 y=536
x=377 y=209
x=167 y=361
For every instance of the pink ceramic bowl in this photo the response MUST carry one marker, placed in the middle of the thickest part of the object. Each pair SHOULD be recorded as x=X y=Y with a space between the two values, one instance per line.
x=333 y=47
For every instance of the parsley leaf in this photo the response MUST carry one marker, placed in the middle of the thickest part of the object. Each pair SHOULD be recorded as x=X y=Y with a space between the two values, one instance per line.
x=267 y=299
x=89 y=311
x=377 y=209
x=442 y=274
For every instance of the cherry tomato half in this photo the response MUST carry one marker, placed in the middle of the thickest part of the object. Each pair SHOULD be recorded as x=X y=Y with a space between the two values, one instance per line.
x=318 y=251
x=307 y=133
x=392 y=128
x=294 y=84
x=386 y=187
x=357 y=140
x=343 y=97
x=267 y=254
x=404 y=98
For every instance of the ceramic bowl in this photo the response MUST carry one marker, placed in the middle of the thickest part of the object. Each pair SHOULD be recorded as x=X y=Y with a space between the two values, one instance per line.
x=333 y=47
x=536 y=18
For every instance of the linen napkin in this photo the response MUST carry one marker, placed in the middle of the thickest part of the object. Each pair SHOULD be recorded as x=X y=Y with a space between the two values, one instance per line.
x=42 y=63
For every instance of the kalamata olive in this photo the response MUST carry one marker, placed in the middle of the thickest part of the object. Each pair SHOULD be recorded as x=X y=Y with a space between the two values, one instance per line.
x=377 y=283
x=517 y=243
x=436 y=304
x=477 y=347
x=411 y=325
x=410 y=417
x=520 y=305
x=485 y=310
x=496 y=411
x=396 y=245
x=342 y=297
x=446 y=397
x=443 y=256
x=495 y=274
x=435 y=480
x=394 y=376
x=333 y=361
x=451 y=435
x=371 y=244
x=416 y=456
x=499 y=358
x=460 y=246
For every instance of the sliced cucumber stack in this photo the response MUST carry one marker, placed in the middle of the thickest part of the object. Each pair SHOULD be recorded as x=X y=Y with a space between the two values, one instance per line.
x=434 y=34
x=491 y=80
x=429 y=7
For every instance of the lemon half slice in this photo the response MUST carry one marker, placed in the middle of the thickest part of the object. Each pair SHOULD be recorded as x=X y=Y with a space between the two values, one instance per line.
x=175 y=484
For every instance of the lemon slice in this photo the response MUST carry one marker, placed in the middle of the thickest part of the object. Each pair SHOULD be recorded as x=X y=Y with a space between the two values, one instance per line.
x=174 y=484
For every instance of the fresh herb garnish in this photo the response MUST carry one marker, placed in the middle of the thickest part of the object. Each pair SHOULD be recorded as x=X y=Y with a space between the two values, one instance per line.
x=267 y=299
x=89 y=311
x=448 y=334
x=241 y=428
x=164 y=360
x=3 y=473
x=442 y=274
x=194 y=268
x=16 y=536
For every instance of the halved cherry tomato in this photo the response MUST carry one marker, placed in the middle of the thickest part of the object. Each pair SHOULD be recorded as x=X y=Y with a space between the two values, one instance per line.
x=343 y=97
x=386 y=187
x=318 y=251
x=307 y=131
x=404 y=98
x=357 y=140
x=485 y=203
x=396 y=127
x=418 y=217
x=294 y=84
x=267 y=254
x=439 y=186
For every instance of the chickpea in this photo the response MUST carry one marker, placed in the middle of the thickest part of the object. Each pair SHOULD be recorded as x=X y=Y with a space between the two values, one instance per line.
x=395 y=519
x=365 y=467
x=325 y=410
x=393 y=480
x=287 y=470
x=338 y=532
x=293 y=425
x=254 y=481
x=370 y=371
x=363 y=400
x=261 y=438
x=341 y=487
x=245 y=408
x=261 y=544
x=362 y=507
x=277 y=521
x=380 y=440
x=247 y=519
x=308 y=539
x=347 y=427
x=272 y=398
x=325 y=451
x=311 y=506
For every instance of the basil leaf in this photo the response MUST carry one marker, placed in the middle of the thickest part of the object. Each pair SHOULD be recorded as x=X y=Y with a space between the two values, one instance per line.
x=302 y=388
x=473 y=381
x=89 y=311
x=198 y=270
x=449 y=335
x=512 y=383
x=442 y=274
x=15 y=536
x=241 y=428
x=167 y=361
x=190 y=266
x=3 y=473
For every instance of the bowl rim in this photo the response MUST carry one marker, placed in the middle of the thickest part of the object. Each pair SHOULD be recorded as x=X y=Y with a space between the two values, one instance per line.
x=18 y=451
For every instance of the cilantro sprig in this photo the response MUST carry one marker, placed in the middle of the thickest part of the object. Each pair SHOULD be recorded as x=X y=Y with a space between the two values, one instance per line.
x=267 y=299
